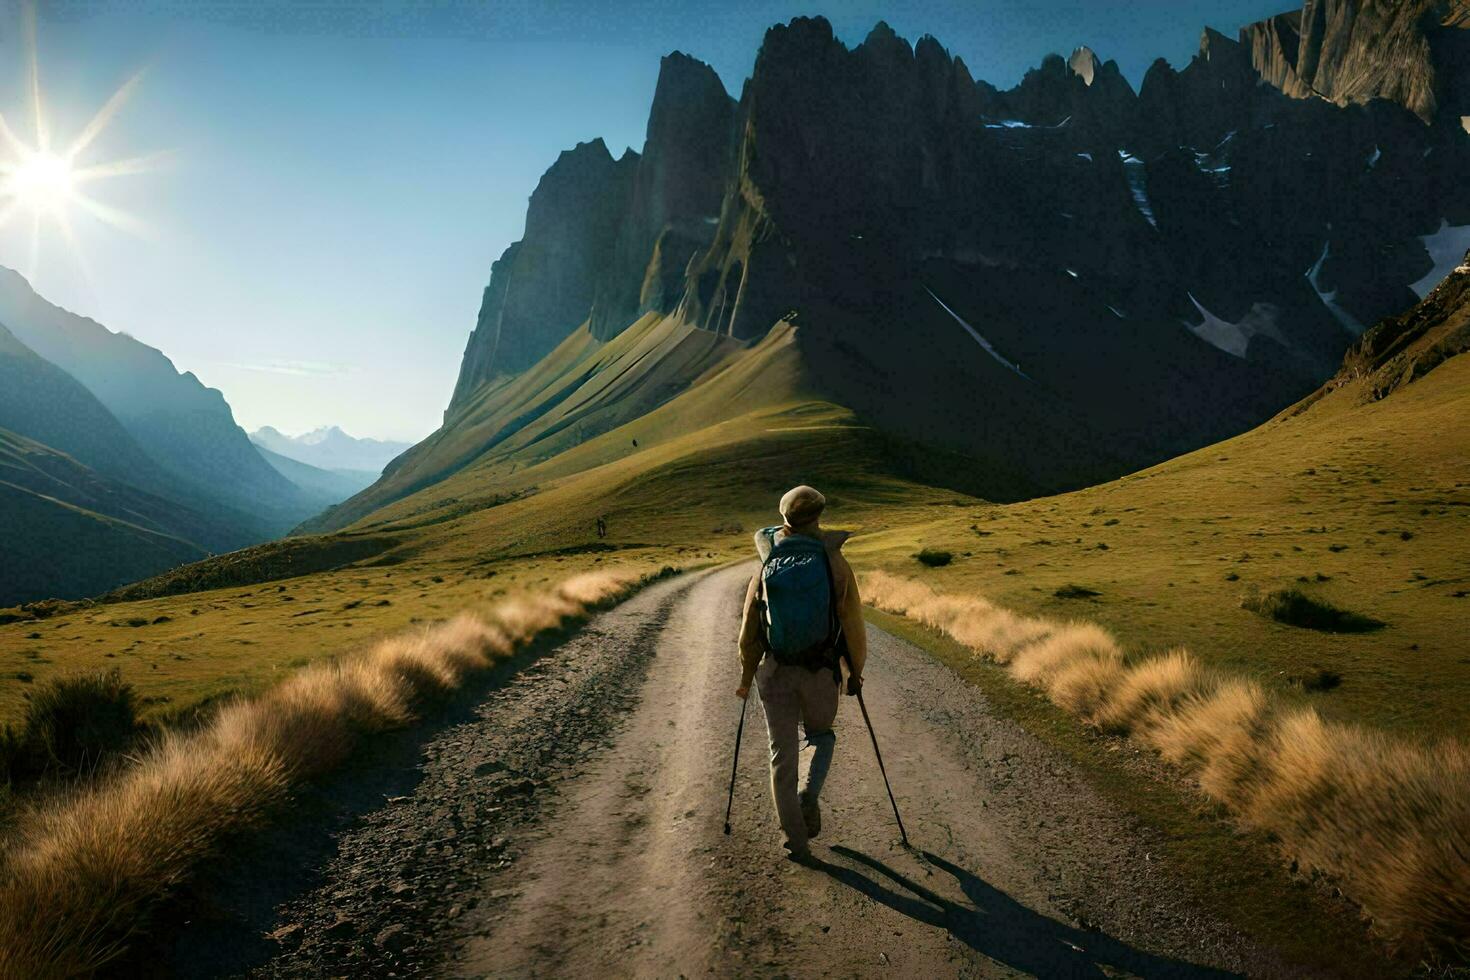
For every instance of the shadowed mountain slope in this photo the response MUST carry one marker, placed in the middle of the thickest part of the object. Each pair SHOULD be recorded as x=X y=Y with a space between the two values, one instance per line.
x=1060 y=283
x=1358 y=496
x=184 y=427
x=72 y=532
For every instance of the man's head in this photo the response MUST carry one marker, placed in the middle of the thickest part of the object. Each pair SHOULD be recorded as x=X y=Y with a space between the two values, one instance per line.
x=802 y=507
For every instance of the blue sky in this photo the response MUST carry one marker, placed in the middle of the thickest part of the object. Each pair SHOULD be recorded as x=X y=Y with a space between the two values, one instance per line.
x=335 y=186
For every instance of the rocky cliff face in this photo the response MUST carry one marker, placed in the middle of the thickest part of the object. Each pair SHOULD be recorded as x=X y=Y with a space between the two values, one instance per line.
x=677 y=190
x=1412 y=52
x=988 y=269
x=608 y=240
x=542 y=286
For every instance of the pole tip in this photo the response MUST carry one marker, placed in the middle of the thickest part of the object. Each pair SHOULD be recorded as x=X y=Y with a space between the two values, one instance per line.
x=727 y=830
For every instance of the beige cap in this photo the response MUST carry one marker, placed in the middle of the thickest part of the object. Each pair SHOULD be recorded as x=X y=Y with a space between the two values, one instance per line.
x=802 y=505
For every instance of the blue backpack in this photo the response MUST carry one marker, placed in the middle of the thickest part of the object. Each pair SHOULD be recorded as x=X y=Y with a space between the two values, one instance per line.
x=799 y=602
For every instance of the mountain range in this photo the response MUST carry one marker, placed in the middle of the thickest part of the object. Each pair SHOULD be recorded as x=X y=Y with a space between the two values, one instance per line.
x=330 y=448
x=868 y=259
x=1023 y=291
x=114 y=466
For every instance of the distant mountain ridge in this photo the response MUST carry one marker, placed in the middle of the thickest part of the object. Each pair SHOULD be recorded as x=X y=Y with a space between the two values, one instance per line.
x=184 y=427
x=114 y=467
x=329 y=448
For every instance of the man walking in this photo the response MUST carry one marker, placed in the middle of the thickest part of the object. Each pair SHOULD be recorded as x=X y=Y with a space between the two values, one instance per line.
x=803 y=617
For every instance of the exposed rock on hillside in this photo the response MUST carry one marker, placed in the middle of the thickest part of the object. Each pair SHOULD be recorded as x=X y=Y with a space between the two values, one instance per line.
x=676 y=195
x=1402 y=349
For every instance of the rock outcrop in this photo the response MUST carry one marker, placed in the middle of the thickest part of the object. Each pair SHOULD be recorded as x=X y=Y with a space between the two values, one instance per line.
x=676 y=197
x=608 y=240
x=542 y=286
x=1415 y=53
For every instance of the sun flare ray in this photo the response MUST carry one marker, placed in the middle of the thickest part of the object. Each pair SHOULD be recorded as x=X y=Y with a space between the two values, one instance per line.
x=12 y=142
x=116 y=217
x=122 y=168
x=99 y=122
x=38 y=115
x=46 y=183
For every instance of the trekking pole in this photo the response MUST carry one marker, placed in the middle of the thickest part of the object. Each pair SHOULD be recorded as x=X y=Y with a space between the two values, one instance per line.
x=871 y=734
x=735 y=766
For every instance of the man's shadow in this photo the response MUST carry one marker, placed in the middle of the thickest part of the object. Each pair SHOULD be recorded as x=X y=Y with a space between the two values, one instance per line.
x=1001 y=928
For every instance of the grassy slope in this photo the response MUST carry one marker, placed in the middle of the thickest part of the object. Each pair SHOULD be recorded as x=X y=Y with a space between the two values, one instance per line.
x=709 y=464
x=1369 y=503
x=70 y=530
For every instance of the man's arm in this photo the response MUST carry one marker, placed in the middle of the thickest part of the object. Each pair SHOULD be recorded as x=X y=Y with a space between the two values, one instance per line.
x=850 y=615
x=750 y=638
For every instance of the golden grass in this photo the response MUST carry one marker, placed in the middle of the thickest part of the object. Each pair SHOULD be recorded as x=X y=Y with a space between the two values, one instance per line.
x=84 y=873
x=1388 y=820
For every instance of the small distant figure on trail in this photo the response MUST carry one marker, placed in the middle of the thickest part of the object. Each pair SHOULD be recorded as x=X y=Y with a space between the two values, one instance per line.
x=803 y=619
x=601 y=526
x=635 y=443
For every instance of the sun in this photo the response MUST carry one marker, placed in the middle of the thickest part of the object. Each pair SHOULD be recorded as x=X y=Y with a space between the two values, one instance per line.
x=42 y=182
x=47 y=182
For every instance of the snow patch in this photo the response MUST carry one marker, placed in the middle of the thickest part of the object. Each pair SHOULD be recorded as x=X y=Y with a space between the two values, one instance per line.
x=1072 y=273
x=1086 y=156
x=1116 y=312
x=1234 y=338
x=1377 y=155
x=985 y=344
x=1009 y=124
x=1133 y=170
x=1349 y=322
x=1447 y=248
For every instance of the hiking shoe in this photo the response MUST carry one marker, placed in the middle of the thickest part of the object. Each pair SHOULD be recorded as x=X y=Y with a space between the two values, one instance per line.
x=811 y=815
x=802 y=857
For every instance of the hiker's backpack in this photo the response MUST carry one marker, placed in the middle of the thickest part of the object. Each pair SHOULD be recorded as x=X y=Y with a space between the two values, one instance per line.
x=798 y=595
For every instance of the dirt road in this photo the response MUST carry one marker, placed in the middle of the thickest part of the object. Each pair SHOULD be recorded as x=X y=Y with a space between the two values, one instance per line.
x=573 y=827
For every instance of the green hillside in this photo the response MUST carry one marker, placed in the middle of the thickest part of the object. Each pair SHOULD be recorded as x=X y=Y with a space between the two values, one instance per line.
x=1359 y=497
x=70 y=531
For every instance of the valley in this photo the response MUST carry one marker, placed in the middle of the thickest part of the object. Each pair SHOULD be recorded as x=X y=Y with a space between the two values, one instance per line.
x=1180 y=367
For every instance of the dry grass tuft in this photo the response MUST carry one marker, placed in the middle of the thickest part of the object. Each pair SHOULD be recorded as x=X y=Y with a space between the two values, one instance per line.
x=1388 y=820
x=84 y=872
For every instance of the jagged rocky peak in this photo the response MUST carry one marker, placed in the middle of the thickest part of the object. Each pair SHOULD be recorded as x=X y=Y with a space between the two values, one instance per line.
x=882 y=41
x=541 y=288
x=676 y=195
x=832 y=141
x=1081 y=89
x=576 y=181
x=1084 y=64
x=1413 y=52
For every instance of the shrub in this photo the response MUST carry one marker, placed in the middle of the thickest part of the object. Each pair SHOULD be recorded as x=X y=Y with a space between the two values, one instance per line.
x=84 y=873
x=1295 y=608
x=1388 y=819
x=71 y=725
x=934 y=558
x=1075 y=592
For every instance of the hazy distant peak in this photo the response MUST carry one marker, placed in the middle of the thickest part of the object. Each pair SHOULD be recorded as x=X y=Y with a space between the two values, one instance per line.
x=329 y=447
